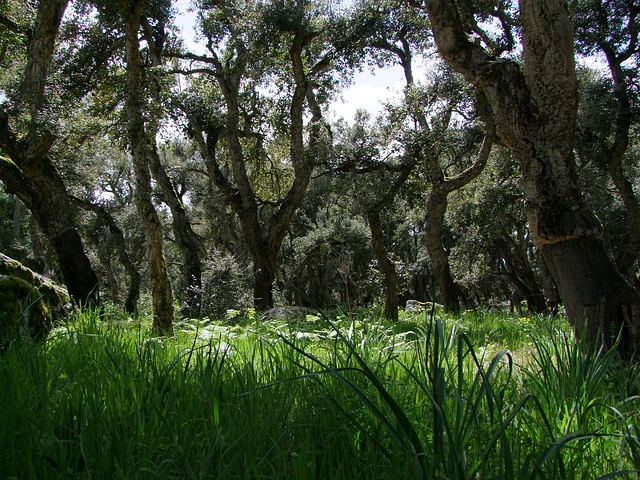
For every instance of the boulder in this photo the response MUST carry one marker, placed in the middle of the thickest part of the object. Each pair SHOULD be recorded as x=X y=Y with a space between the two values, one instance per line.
x=283 y=312
x=416 y=306
x=29 y=303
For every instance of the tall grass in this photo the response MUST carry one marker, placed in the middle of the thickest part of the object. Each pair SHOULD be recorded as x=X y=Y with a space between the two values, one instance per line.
x=317 y=397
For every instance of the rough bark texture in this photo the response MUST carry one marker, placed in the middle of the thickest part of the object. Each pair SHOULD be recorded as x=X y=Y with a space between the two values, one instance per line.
x=598 y=292
x=140 y=147
x=30 y=174
x=435 y=209
x=40 y=53
x=535 y=110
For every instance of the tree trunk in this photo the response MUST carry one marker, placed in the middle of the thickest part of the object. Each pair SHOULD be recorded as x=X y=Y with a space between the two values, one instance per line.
x=616 y=153
x=598 y=301
x=525 y=283
x=140 y=146
x=263 y=241
x=30 y=174
x=519 y=271
x=188 y=242
x=535 y=110
x=40 y=188
x=435 y=209
x=263 y=278
x=386 y=266
x=111 y=277
x=79 y=277
x=133 y=292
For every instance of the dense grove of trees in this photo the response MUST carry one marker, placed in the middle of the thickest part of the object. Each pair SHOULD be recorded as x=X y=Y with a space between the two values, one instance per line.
x=217 y=178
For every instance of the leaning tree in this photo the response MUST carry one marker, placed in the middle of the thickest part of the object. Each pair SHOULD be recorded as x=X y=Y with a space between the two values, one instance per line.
x=265 y=65
x=534 y=104
x=28 y=133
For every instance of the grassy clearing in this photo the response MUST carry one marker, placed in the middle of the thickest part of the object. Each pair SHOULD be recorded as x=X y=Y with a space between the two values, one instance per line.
x=477 y=396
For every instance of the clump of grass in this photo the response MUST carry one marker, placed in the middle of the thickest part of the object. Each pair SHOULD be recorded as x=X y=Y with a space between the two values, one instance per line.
x=314 y=397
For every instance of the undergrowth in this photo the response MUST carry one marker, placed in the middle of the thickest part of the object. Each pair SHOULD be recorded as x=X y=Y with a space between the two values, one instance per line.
x=474 y=396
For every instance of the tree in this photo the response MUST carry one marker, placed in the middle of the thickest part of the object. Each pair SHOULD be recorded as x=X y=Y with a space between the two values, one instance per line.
x=534 y=105
x=255 y=45
x=143 y=147
x=27 y=137
x=374 y=183
x=397 y=35
x=492 y=257
x=188 y=242
x=105 y=219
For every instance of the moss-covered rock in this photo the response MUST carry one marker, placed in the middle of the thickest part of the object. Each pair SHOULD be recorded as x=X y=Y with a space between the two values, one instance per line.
x=29 y=303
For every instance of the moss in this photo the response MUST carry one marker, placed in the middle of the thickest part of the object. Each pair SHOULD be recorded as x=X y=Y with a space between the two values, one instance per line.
x=22 y=310
x=54 y=296
x=29 y=303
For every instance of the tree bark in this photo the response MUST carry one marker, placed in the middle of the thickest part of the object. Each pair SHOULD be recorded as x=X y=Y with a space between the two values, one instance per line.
x=263 y=278
x=535 y=110
x=140 y=147
x=435 y=209
x=105 y=259
x=41 y=189
x=188 y=242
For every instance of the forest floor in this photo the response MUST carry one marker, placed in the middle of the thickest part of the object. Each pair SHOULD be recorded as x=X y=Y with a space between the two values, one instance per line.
x=480 y=395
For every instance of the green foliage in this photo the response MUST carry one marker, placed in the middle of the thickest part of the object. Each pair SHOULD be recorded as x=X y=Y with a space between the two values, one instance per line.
x=29 y=303
x=316 y=397
x=225 y=284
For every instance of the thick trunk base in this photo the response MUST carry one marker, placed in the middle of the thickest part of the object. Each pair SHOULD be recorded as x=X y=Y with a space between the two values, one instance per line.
x=599 y=302
x=448 y=290
x=262 y=294
x=79 y=277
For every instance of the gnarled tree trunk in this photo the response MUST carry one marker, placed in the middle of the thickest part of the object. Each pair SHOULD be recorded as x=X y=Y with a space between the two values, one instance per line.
x=435 y=209
x=263 y=239
x=30 y=173
x=139 y=145
x=535 y=106
x=188 y=242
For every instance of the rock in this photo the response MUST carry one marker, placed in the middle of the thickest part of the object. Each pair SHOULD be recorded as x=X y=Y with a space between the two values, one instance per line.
x=29 y=303
x=414 y=305
x=284 y=312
